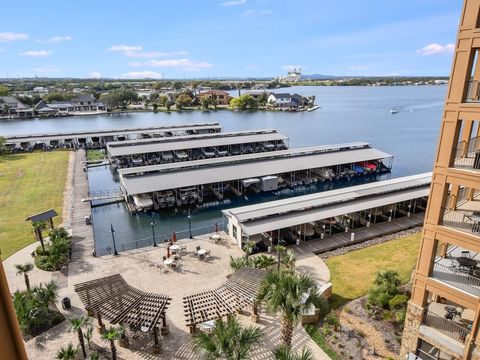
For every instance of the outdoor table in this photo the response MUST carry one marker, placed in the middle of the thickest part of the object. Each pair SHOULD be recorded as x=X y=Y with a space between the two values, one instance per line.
x=168 y=262
x=467 y=262
x=468 y=315
x=215 y=237
x=201 y=253
x=175 y=248
x=207 y=325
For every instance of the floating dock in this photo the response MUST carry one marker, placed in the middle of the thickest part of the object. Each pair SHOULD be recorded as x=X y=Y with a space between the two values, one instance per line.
x=98 y=139
x=193 y=147
x=200 y=181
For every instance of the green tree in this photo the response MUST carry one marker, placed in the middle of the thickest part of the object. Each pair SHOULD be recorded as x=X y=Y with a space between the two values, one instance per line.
x=3 y=146
x=76 y=324
x=248 y=248
x=110 y=335
x=4 y=90
x=206 y=102
x=177 y=85
x=68 y=352
x=280 y=251
x=214 y=101
x=163 y=100
x=88 y=335
x=229 y=340
x=289 y=259
x=183 y=100
x=262 y=98
x=386 y=287
x=285 y=353
x=289 y=294
x=243 y=102
x=24 y=269
x=6 y=110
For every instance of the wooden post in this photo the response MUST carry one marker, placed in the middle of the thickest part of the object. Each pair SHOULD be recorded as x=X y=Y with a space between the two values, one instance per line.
x=51 y=223
x=157 y=347
x=100 y=325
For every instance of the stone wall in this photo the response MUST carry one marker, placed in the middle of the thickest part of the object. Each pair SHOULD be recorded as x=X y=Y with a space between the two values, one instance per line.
x=410 y=331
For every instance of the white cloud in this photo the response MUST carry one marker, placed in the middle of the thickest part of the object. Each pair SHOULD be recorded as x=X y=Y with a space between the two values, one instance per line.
x=152 y=54
x=36 y=53
x=358 y=67
x=251 y=12
x=95 y=75
x=55 y=40
x=141 y=75
x=291 y=67
x=11 y=36
x=233 y=3
x=186 y=64
x=46 y=70
x=437 y=49
x=124 y=48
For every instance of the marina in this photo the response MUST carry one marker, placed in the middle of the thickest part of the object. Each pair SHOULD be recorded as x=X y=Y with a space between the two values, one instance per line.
x=317 y=216
x=196 y=182
x=98 y=139
x=154 y=151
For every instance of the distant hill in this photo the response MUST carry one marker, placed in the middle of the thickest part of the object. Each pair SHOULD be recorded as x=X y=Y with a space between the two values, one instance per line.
x=318 y=77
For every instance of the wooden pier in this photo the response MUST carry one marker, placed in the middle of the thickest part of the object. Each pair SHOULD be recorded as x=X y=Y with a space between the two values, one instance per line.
x=336 y=241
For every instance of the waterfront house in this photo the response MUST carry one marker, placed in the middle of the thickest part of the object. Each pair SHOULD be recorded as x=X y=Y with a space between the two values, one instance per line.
x=256 y=94
x=223 y=98
x=81 y=105
x=286 y=101
x=11 y=107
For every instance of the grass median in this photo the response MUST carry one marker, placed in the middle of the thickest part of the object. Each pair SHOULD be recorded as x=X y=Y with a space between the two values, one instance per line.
x=352 y=274
x=29 y=183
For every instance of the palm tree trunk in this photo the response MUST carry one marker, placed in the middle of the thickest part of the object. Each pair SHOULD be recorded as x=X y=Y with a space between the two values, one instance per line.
x=113 y=349
x=287 y=332
x=27 y=282
x=82 y=343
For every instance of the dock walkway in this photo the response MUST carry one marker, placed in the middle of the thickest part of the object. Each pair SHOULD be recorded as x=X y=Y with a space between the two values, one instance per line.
x=336 y=241
x=82 y=234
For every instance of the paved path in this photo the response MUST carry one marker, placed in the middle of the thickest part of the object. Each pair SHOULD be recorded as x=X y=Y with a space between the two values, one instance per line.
x=82 y=234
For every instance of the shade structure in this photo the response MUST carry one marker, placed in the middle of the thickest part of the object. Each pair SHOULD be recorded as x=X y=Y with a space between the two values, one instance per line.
x=45 y=215
x=115 y=300
x=239 y=291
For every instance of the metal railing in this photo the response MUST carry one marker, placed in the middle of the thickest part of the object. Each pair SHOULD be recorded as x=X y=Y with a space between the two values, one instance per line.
x=465 y=154
x=447 y=327
x=455 y=277
x=460 y=220
x=159 y=240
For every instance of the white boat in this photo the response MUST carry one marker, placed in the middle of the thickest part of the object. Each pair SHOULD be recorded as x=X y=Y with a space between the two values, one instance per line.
x=393 y=111
x=142 y=201
x=313 y=108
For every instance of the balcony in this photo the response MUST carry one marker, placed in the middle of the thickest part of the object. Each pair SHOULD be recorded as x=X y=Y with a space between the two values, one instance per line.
x=449 y=271
x=473 y=92
x=463 y=219
x=446 y=320
x=467 y=154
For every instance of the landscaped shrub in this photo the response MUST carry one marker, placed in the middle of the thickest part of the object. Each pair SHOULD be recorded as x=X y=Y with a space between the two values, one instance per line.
x=57 y=251
x=323 y=306
x=387 y=286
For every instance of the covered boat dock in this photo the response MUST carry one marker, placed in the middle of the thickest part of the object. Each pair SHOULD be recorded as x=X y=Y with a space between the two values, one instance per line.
x=193 y=147
x=194 y=182
x=98 y=139
x=319 y=216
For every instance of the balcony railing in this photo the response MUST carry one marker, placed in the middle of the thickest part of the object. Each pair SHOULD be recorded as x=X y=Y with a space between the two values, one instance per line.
x=456 y=278
x=466 y=154
x=447 y=327
x=473 y=92
x=462 y=220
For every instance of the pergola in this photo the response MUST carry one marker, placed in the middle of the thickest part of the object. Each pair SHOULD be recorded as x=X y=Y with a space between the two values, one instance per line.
x=239 y=291
x=112 y=298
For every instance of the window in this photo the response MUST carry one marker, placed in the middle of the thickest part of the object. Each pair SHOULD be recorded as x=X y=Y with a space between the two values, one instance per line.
x=234 y=231
x=425 y=351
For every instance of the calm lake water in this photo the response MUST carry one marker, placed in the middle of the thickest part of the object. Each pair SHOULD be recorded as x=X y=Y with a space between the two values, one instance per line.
x=346 y=114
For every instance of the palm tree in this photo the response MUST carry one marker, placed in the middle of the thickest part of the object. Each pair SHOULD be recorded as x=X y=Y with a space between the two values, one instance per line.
x=110 y=335
x=290 y=294
x=76 y=325
x=88 y=335
x=229 y=340
x=289 y=258
x=24 y=270
x=67 y=353
x=47 y=293
x=248 y=248
x=285 y=353
x=263 y=261
x=280 y=250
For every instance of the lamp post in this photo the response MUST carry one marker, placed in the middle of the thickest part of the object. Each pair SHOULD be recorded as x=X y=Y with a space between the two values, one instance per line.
x=153 y=230
x=189 y=217
x=115 y=252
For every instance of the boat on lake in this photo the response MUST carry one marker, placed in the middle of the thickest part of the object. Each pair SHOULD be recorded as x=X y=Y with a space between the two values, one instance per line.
x=393 y=111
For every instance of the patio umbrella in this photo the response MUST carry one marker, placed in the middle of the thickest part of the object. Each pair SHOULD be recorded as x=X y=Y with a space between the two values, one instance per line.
x=168 y=252
x=174 y=237
x=216 y=227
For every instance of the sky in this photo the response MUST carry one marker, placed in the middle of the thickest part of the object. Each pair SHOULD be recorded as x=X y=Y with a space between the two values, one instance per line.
x=227 y=38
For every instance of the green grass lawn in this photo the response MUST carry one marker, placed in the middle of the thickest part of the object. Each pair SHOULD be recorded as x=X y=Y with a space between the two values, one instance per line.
x=94 y=155
x=352 y=274
x=29 y=183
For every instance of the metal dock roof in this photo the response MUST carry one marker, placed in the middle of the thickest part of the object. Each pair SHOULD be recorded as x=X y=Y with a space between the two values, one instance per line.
x=133 y=147
x=201 y=172
x=279 y=214
x=112 y=132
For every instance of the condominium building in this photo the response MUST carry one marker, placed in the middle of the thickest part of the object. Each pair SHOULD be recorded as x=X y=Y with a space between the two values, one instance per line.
x=443 y=313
